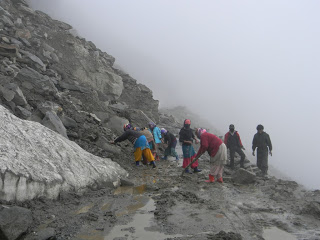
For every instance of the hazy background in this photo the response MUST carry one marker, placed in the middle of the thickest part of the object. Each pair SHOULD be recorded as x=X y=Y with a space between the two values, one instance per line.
x=242 y=62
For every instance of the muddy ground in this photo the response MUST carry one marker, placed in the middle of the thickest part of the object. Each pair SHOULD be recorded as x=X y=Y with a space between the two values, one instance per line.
x=159 y=204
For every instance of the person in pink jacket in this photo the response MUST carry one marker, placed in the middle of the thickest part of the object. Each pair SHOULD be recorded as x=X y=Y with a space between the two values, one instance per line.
x=217 y=151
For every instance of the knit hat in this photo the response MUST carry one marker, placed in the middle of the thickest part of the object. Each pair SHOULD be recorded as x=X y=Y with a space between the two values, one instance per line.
x=260 y=127
x=200 y=131
x=163 y=131
x=127 y=126
x=187 y=121
x=152 y=124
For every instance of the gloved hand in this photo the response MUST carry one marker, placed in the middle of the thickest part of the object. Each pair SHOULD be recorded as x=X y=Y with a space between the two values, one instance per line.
x=253 y=153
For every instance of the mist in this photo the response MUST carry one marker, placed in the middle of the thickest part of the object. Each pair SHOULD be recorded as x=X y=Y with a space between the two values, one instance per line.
x=241 y=62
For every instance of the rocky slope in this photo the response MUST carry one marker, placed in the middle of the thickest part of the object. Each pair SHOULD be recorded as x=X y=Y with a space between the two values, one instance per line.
x=57 y=80
x=50 y=76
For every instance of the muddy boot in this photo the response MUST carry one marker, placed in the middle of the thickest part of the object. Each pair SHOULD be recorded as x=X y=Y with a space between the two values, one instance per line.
x=138 y=164
x=220 y=180
x=196 y=170
x=187 y=171
x=211 y=178
x=153 y=164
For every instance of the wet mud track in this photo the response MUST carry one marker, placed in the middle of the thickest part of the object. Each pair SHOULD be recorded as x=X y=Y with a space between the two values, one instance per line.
x=159 y=204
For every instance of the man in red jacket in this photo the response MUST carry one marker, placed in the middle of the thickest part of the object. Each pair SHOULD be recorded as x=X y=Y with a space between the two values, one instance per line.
x=233 y=142
x=217 y=151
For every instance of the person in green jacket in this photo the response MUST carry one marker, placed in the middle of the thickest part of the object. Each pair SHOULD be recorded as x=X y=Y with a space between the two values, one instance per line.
x=261 y=141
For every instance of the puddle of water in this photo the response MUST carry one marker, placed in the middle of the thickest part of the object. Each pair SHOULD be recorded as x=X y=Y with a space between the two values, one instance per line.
x=276 y=233
x=137 y=228
x=130 y=190
x=141 y=202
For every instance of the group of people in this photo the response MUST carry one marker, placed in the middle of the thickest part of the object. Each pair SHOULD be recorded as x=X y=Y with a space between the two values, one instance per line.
x=146 y=143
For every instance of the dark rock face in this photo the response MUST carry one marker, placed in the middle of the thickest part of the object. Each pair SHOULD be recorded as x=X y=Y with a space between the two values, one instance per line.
x=14 y=222
x=138 y=95
x=64 y=82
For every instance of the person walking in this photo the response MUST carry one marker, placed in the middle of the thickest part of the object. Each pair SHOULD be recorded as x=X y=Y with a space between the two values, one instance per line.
x=217 y=151
x=171 y=142
x=261 y=141
x=233 y=142
x=186 y=137
x=140 y=144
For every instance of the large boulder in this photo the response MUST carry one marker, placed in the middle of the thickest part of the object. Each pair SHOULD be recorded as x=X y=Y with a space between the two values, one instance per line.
x=52 y=121
x=31 y=80
x=138 y=96
x=36 y=161
x=243 y=176
x=116 y=124
x=83 y=65
x=18 y=98
x=138 y=117
x=14 y=222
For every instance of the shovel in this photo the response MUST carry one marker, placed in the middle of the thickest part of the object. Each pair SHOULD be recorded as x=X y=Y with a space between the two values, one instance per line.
x=195 y=159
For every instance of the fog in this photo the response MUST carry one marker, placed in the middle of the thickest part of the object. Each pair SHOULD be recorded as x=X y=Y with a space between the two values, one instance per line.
x=242 y=62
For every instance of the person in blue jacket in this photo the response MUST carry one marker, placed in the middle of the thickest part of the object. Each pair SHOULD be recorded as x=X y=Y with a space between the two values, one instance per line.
x=157 y=137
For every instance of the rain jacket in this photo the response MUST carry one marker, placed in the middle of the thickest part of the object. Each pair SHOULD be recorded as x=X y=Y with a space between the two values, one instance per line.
x=170 y=139
x=209 y=142
x=131 y=135
x=157 y=134
x=262 y=142
x=232 y=140
x=186 y=134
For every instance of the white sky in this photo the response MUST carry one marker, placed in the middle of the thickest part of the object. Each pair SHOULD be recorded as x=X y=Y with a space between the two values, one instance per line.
x=242 y=62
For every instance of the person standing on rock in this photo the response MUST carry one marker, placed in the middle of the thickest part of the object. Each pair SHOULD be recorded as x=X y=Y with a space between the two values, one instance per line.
x=140 y=143
x=233 y=142
x=217 y=151
x=262 y=142
x=171 y=142
x=157 y=138
x=186 y=137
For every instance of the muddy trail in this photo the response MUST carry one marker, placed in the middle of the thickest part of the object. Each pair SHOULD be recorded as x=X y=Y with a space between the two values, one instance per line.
x=159 y=204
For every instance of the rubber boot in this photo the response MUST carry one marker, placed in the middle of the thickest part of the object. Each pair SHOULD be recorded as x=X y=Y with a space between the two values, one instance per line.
x=196 y=170
x=211 y=179
x=220 y=180
x=177 y=158
x=187 y=171
x=164 y=158
x=138 y=163
x=153 y=164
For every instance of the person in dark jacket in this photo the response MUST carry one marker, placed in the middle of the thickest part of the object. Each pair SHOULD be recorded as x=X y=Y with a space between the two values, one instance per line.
x=140 y=143
x=186 y=137
x=262 y=142
x=233 y=142
x=171 y=142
